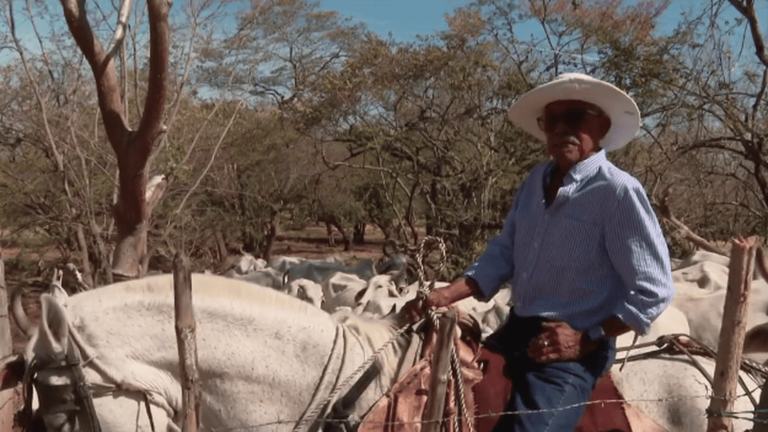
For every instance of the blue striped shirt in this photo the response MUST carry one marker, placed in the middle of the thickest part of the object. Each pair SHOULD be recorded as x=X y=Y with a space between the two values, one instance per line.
x=596 y=251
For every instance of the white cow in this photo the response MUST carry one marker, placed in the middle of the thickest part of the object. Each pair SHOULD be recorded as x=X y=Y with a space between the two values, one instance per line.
x=307 y=290
x=704 y=309
x=284 y=263
x=267 y=277
x=320 y=271
x=342 y=290
x=490 y=315
x=675 y=394
x=245 y=264
x=701 y=256
x=381 y=296
x=707 y=276
x=701 y=285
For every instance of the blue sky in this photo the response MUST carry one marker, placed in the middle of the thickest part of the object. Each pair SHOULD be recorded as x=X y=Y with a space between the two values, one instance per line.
x=404 y=18
x=407 y=18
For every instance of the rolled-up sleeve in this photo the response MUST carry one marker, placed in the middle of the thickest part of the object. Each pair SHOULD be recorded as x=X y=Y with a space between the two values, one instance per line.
x=496 y=265
x=639 y=253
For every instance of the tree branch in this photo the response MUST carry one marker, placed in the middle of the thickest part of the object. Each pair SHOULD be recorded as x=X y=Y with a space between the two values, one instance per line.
x=662 y=205
x=103 y=67
x=122 y=24
x=151 y=125
x=747 y=10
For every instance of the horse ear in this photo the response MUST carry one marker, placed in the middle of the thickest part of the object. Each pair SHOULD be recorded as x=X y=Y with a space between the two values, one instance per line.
x=54 y=327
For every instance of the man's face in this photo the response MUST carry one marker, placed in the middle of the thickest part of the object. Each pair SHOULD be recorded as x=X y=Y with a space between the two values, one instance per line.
x=574 y=129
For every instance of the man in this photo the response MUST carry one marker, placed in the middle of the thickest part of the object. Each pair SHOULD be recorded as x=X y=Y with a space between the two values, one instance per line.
x=582 y=248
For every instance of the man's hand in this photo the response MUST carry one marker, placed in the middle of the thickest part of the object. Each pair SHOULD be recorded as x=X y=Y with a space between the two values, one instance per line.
x=559 y=342
x=460 y=289
x=414 y=310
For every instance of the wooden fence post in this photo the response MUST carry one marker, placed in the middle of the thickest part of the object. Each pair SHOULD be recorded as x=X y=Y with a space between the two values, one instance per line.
x=441 y=362
x=9 y=397
x=186 y=340
x=6 y=344
x=732 y=331
x=761 y=425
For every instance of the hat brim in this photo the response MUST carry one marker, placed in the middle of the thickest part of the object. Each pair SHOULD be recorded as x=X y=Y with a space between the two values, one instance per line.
x=617 y=105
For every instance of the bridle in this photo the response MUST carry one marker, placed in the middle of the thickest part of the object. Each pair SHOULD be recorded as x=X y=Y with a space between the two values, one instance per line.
x=73 y=399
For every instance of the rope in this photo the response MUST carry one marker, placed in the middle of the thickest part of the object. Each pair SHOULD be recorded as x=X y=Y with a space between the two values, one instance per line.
x=315 y=413
x=334 y=349
x=426 y=246
x=459 y=383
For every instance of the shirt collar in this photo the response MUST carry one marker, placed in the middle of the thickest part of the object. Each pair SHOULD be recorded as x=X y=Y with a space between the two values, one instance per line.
x=588 y=167
x=582 y=170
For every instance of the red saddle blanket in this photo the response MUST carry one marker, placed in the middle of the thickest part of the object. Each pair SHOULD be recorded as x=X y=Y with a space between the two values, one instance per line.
x=487 y=391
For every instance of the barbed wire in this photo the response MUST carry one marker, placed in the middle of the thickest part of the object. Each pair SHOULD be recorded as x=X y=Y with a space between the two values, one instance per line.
x=731 y=414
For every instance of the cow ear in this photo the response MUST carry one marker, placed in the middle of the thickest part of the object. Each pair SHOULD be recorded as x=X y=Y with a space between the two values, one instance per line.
x=54 y=326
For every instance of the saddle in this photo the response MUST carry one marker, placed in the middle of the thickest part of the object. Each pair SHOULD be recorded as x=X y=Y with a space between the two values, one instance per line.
x=487 y=391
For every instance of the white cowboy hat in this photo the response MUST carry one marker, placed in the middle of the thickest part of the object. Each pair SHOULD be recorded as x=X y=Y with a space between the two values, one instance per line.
x=622 y=110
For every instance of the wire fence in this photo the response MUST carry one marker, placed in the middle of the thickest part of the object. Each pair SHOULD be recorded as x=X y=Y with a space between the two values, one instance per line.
x=740 y=415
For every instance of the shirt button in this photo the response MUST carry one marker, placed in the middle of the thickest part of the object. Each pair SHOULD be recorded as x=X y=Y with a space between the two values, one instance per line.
x=536 y=244
x=525 y=275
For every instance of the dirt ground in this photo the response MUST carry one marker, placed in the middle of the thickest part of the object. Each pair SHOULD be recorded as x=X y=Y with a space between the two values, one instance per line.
x=311 y=242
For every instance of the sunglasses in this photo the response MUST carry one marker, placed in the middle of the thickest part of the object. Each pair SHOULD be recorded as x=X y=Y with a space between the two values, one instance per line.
x=572 y=118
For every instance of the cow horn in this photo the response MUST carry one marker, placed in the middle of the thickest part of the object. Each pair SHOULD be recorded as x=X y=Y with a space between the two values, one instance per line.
x=20 y=316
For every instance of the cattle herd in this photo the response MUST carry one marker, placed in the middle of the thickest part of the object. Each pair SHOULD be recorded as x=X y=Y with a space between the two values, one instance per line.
x=369 y=288
x=378 y=289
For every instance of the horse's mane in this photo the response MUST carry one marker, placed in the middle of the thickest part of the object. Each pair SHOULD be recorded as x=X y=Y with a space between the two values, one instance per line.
x=205 y=287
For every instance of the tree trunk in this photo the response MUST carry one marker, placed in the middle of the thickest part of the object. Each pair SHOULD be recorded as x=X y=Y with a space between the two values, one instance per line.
x=358 y=233
x=250 y=242
x=270 y=241
x=344 y=236
x=132 y=148
x=131 y=242
x=221 y=247
x=385 y=230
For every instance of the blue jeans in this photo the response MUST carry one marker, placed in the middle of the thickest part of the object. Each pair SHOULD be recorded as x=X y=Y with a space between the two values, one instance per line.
x=558 y=390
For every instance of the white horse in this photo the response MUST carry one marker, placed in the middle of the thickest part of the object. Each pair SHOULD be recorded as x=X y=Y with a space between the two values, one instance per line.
x=266 y=360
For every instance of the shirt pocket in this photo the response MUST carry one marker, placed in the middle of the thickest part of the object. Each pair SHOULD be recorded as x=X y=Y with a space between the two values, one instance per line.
x=572 y=245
